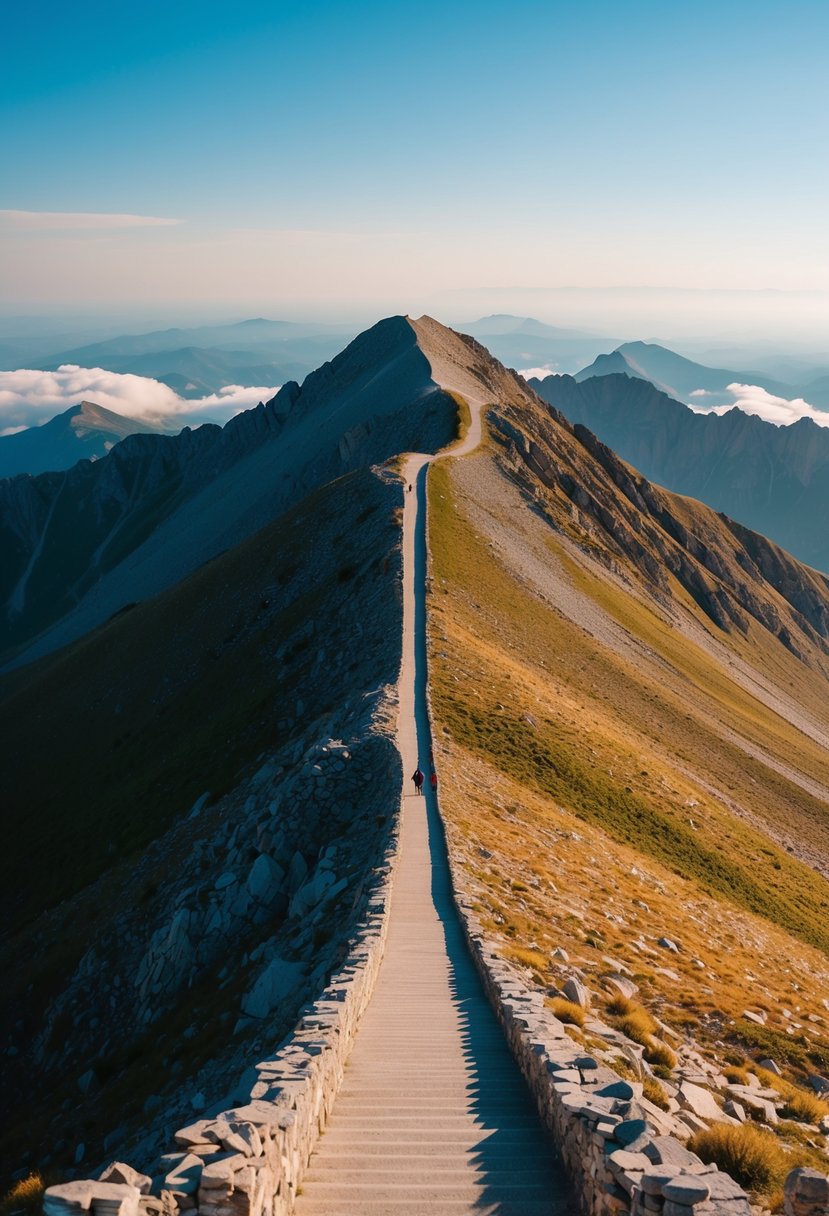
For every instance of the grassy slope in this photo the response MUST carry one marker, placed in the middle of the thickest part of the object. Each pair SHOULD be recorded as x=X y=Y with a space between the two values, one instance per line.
x=599 y=757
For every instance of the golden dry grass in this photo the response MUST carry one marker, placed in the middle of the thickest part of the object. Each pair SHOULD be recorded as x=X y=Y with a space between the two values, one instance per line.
x=594 y=806
x=567 y=1011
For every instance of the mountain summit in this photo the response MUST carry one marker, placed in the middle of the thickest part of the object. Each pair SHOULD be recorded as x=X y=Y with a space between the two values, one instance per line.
x=84 y=432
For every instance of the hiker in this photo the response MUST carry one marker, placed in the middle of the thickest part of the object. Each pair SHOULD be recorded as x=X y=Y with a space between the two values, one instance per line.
x=417 y=777
x=410 y=487
x=433 y=779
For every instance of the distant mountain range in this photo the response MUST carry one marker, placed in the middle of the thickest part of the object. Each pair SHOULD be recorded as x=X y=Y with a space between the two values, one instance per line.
x=204 y=359
x=522 y=342
x=774 y=479
x=84 y=432
x=691 y=382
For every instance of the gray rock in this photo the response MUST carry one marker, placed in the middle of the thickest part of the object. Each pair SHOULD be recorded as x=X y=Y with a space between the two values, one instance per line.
x=819 y=1084
x=698 y=1100
x=619 y=1089
x=770 y=1066
x=119 y=1171
x=224 y=880
x=735 y=1110
x=276 y=982
x=667 y=944
x=630 y=1130
x=686 y=1189
x=265 y=880
x=620 y=984
x=575 y=991
x=665 y=1151
x=182 y=1172
x=809 y=1185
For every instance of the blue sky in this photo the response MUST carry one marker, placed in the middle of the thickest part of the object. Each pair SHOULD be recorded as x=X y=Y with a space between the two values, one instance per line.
x=359 y=152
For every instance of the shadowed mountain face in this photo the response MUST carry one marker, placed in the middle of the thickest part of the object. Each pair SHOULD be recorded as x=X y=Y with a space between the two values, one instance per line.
x=81 y=544
x=773 y=479
x=84 y=432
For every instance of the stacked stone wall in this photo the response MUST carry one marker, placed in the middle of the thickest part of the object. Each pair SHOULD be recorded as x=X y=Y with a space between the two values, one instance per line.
x=250 y=1160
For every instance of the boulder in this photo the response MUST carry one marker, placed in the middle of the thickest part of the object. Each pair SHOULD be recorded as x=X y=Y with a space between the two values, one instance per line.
x=265 y=880
x=698 y=1101
x=621 y=985
x=575 y=991
x=667 y=944
x=275 y=982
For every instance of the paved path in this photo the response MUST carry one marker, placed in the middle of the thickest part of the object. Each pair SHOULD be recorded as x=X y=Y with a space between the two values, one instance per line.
x=433 y=1118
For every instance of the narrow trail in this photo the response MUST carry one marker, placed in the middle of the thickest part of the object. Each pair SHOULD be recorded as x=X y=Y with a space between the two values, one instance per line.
x=433 y=1116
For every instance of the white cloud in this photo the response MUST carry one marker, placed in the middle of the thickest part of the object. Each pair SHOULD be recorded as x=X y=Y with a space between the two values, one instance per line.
x=752 y=399
x=702 y=392
x=62 y=220
x=538 y=372
x=30 y=398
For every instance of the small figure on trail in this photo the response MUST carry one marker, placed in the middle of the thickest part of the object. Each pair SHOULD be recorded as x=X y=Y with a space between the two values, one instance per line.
x=410 y=487
x=433 y=779
x=417 y=777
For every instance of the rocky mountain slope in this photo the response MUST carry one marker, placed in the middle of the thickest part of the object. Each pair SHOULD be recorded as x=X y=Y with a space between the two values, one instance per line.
x=227 y=780
x=773 y=479
x=77 y=546
x=634 y=753
x=85 y=432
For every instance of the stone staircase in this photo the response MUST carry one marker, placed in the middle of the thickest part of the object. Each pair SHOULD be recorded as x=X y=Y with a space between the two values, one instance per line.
x=433 y=1115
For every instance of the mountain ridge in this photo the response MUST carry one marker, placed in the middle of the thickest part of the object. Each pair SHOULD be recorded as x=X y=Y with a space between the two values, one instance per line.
x=772 y=479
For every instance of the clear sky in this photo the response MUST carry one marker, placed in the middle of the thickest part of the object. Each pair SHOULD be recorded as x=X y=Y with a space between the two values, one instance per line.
x=263 y=155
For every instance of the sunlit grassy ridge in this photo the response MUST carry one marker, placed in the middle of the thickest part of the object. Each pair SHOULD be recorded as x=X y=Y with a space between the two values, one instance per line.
x=499 y=654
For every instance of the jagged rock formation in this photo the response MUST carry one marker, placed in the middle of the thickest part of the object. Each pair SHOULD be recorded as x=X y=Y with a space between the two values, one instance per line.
x=772 y=479
x=84 y=432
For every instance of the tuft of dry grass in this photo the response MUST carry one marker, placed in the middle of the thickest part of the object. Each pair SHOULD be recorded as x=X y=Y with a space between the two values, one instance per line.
x=660 y=1054
x=638 y=1025
x=619 y=1006
x=25 y=1196
x=804 y=1107
x=752 y=1156
x=654 y=1092
x=567 y=1011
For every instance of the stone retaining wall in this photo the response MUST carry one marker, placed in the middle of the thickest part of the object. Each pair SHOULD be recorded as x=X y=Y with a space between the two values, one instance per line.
x=250 y=1160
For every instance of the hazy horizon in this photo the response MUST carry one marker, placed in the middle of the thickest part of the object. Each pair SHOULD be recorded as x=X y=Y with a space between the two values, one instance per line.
x=331 y=159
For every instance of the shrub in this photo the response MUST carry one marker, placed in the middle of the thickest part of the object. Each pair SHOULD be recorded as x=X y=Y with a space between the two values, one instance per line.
x=750 y=1154
x=567 y=1011
x=660 y=1054
x=736 y=1075
x=638 y=1025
